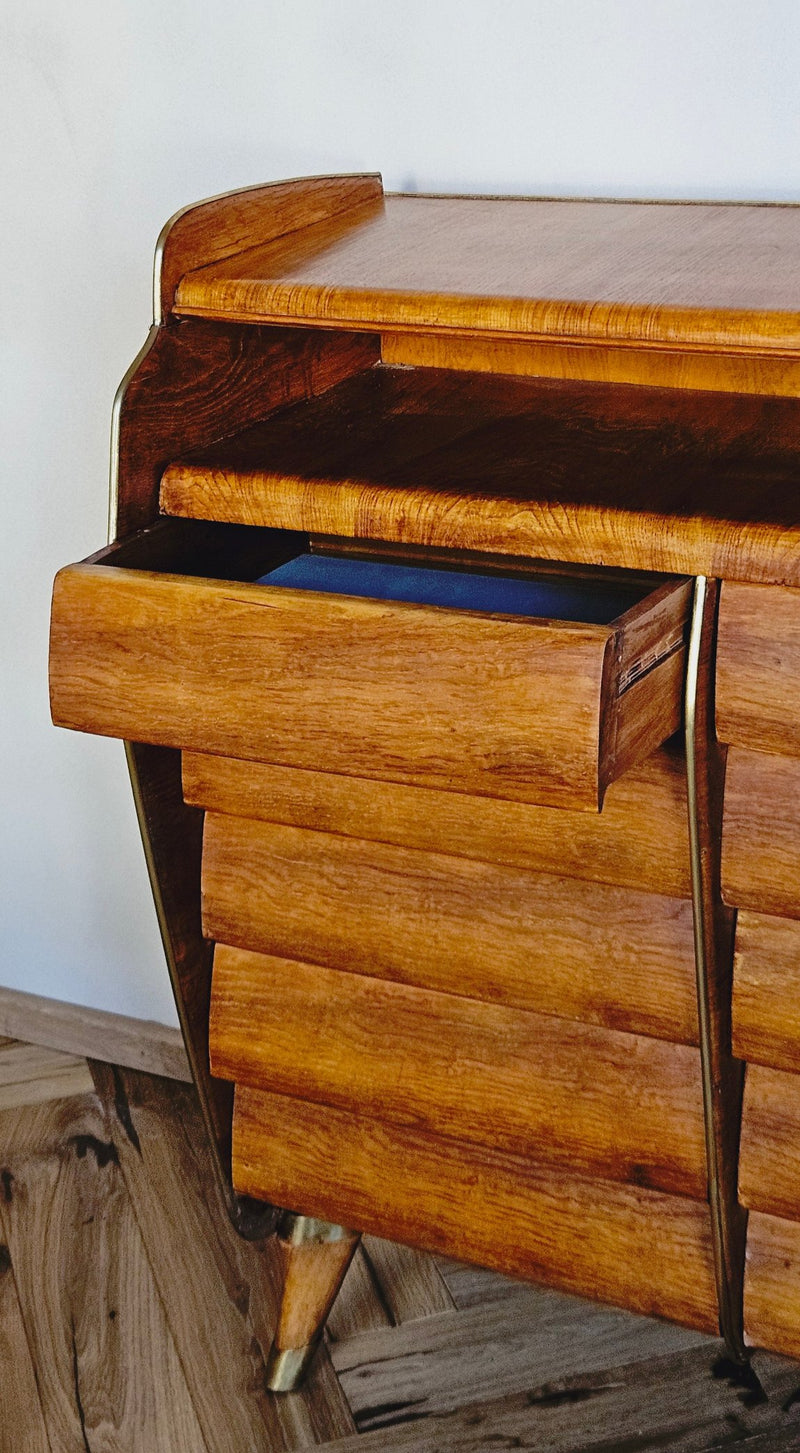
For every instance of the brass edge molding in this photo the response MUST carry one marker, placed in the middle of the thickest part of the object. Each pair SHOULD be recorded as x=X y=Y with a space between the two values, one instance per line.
x=729 y=1304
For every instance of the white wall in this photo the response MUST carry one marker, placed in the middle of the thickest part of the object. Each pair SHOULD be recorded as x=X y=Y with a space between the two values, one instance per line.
x=116 y=112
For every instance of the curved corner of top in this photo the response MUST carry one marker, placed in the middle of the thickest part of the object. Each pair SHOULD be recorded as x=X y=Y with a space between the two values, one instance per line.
x=231 y=222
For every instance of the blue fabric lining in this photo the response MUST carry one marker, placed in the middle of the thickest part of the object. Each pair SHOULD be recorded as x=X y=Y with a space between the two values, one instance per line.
x=596 y=603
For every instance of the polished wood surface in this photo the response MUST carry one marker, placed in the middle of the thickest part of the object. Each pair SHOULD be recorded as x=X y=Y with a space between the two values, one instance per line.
x=758 y=664
x=646 y=273
x=528 y=710
x=772 y=1283
x=761 y=838
x=192 y=384
x=528 y=1084
x=654 y=479
x=142 y=1044
x=209 y=231
x=638 y=1248
x=311 y=1273
x=639 y=840
x=673 y=368
x=769 y=1161
x=766 y=990
x=584 y=951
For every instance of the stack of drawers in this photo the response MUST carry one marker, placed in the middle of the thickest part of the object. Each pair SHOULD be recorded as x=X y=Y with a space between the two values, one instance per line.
x=758 y=712
x=457 y=1000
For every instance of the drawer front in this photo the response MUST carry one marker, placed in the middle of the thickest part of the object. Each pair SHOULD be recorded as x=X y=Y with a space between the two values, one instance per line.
x=772 y=1283
x=761 y=834
x=529 y=1084
x=766 y=991
x=758 y=667
x=769 y=1158
x=585 y=951
x=623 y=1244
x=639 y=840
x=520 y=709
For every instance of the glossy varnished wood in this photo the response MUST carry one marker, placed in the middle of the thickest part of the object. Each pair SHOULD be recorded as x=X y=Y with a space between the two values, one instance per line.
x=209 y=231
x=638 y=1248
x=654 y=479
x=772 y=1283
x=648 y=273
x=530 y=710
x=584 y=951
x=655 y=367
x=758 y=666
x=639 y=840
x=195 y=382
x=761 y=839
x=529 y=1084
x=766 y=990
x=769 y=1160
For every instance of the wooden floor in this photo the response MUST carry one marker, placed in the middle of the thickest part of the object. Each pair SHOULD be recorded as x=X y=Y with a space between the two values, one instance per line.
x=132 y=1318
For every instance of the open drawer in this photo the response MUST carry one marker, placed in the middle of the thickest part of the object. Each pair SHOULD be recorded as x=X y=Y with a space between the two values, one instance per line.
x=472 y=674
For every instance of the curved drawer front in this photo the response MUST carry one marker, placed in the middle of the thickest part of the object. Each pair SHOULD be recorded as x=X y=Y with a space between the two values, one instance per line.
x=758 y=667
x=516 y=708
x=631 y=1246
x=585 y=951
x=529 y=1084
x=639 y=840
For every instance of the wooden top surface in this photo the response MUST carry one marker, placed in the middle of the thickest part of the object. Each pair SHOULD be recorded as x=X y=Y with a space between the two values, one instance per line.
x=708 y=275
x=645 y=478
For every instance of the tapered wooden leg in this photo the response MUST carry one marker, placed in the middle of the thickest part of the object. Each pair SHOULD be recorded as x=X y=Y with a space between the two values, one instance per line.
x=315 y=1256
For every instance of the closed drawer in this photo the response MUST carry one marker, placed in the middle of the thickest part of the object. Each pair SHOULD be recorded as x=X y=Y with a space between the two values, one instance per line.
x=628 y=1245
x=147 y=645
x=772 y=1283
x=769 y=1157
x=758 y=667
x=766 y=990
x=761 y=833
x=585 y=951
x=530 y=1084
x=639 y=840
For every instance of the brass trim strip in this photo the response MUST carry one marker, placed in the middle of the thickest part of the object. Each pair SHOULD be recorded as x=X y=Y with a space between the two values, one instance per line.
x=729 y=1303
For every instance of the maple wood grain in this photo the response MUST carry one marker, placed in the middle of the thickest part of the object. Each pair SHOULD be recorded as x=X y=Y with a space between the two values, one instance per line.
x=758 y=665
x=529 y=1084
x=654 y=479
x=761 y=837
x=635 y=1247
x=766 y=990
x=584 y=951
x=639 y=840
x=644 y=273
x=524 y=709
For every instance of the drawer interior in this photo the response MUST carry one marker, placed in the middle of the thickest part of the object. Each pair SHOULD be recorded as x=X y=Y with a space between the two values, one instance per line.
x=454 y=580
x=454 y=670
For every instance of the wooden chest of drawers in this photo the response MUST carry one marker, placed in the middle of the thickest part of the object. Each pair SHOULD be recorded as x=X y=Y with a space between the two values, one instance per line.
x=411 y=496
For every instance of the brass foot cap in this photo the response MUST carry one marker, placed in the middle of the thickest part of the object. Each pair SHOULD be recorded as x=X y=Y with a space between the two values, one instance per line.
x=287 y=1367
